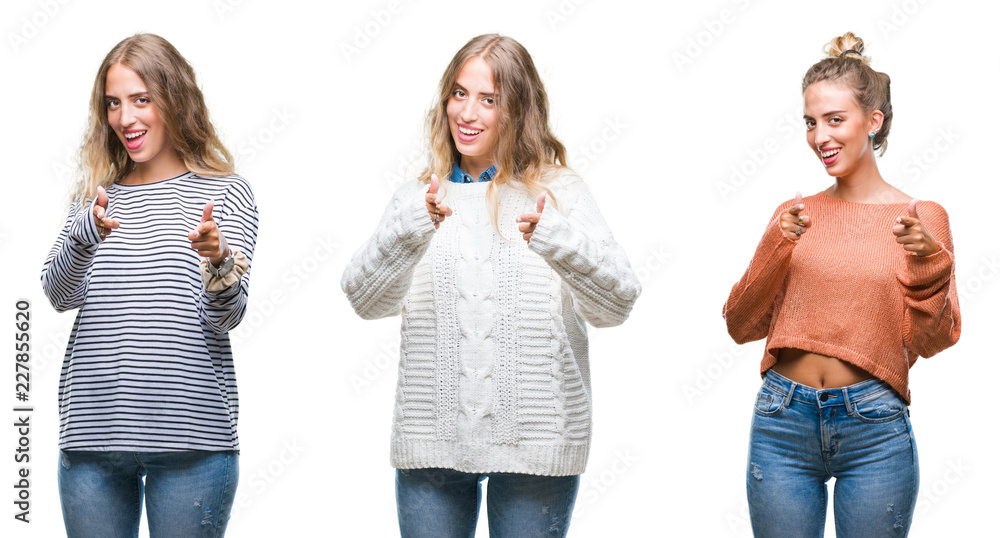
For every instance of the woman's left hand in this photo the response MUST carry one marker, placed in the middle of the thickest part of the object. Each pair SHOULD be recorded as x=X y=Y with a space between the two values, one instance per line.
x=910 y=233
x=207 y=239
x=530 y=220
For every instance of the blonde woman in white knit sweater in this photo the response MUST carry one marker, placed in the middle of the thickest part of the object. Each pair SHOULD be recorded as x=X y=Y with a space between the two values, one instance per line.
x=496 y=274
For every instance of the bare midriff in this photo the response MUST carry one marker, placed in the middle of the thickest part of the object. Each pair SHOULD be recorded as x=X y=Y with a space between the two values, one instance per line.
x=817 y=371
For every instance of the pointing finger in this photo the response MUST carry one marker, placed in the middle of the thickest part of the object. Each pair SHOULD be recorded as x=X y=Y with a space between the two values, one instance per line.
x=797 y=205
x=206 y=214
x=913 y=209
x=102 y=197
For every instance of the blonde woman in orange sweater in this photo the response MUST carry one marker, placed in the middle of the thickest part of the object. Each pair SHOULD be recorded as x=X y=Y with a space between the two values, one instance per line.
x=849 y=286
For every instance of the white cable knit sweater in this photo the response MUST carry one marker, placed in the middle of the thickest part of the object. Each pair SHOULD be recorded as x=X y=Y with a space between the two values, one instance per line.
x=494 y=373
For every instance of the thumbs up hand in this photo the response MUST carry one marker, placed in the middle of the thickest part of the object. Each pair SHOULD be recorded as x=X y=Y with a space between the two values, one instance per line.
x=910 y=233
x=435 y=208
x=207 y=239
x=104 y=224
x=794 y=222
x=528 y=221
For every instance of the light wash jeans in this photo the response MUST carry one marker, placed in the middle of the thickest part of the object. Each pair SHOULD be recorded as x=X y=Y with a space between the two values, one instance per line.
x=187 y=493
x=801 y=436
x=443 y=503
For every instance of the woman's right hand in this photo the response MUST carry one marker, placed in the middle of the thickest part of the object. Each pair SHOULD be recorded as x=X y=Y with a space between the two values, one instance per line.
x=435 y=208
x=794 y=222
x=104 y=224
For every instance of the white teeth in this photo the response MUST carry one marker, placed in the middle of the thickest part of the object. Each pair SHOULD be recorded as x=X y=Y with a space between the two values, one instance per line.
x=831 y=153
x=469 y=132
x=135 y=134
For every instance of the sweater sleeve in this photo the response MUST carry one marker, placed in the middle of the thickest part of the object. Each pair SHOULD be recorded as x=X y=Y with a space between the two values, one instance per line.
x=751 y=302
x=932 y=321
x=380 y=272
x=66 y=270
x=579 y=247
x=223 y=310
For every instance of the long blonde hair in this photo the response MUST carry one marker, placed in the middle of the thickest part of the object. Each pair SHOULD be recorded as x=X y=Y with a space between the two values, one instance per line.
x=526 y=151
x=178 y=101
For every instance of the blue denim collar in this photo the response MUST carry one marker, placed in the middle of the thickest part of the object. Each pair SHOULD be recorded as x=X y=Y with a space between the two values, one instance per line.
x=458 y=176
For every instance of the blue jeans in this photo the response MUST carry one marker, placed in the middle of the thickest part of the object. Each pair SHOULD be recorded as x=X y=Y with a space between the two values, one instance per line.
x=802 y=436
x=188 y=493
x=443 y=503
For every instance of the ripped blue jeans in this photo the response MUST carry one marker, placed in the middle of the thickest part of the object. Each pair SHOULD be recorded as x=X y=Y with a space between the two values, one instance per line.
x=802 y=436
x=187 y=493
x=436 y=503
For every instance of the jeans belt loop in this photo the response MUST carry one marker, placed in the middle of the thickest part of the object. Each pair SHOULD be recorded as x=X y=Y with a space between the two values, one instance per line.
x=788 y=397
x=847 y=399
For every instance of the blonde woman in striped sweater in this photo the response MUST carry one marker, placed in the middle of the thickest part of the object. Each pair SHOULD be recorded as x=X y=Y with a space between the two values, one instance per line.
x=155 y=254
x=849 y=286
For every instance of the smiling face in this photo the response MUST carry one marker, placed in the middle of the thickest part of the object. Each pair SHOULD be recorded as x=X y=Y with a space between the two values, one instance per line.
x=837 y=128
x=134 y=119
x=472 y=116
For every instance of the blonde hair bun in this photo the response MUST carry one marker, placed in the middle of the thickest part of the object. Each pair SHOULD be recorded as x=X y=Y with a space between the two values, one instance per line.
x=847 y=46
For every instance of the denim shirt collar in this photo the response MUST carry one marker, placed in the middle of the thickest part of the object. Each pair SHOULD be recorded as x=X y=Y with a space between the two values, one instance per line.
x=458 y=176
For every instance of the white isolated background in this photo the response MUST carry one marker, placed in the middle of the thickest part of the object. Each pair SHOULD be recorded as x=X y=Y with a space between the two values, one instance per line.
x=324 y=133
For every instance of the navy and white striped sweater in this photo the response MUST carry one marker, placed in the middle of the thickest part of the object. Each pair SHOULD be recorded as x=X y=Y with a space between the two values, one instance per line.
x=149 y=366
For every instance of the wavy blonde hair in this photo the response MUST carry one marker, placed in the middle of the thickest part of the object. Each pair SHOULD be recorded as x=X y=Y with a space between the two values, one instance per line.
x=870 y=87
x=526 y=152
x=174 y=92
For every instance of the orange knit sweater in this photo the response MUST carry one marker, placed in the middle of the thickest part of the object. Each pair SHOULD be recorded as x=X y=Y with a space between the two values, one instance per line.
x=847 y=289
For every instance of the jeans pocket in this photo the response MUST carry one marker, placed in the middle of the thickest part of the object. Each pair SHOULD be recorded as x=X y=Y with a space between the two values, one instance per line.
x=884 y=407
x=769 y=402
